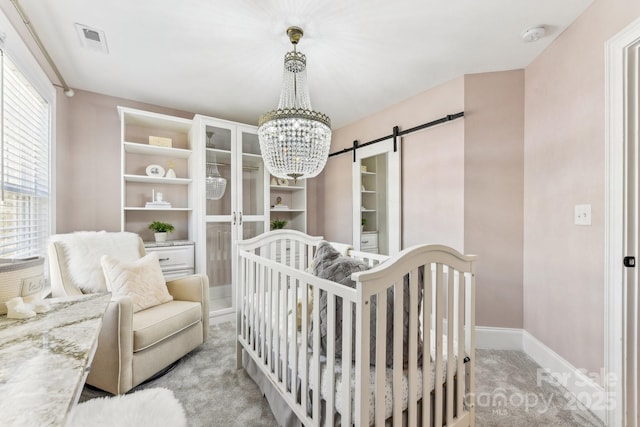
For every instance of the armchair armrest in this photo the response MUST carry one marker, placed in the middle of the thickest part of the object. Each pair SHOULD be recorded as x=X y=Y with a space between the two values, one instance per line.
x=111 y=366
x=193 y=288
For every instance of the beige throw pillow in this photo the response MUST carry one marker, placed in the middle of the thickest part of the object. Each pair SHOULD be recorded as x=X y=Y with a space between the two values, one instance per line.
x=142 y=280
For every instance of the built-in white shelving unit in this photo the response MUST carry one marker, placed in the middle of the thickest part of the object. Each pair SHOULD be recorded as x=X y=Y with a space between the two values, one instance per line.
x=138 y=188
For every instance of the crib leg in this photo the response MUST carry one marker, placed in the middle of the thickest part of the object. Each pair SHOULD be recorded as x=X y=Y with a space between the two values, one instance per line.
x=238 y=355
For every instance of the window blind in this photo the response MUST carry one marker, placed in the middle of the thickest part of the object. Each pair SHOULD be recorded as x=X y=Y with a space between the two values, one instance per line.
x=24 y=165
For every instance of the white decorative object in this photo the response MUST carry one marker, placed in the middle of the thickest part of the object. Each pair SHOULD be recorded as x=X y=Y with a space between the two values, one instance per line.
x=274 y=181
x=17 y=309
x=141 y=280
x=216 y=184
x=155 y=170
x=150 y=407
x=84 y=249
x=159 y=197
x=170 y=174
x=294 y=139
x=283 y=182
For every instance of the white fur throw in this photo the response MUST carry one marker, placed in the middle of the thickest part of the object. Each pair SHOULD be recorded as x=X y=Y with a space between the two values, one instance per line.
x=82 y=252
x=142 y=280
x=151 y=407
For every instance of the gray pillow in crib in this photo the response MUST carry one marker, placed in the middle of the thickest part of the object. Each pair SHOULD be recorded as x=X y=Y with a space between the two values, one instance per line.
x=331 y=265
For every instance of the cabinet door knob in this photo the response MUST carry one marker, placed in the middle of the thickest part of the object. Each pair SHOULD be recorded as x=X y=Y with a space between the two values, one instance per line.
x=163 y=259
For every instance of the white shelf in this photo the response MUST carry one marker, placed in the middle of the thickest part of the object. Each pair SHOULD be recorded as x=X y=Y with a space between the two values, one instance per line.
x=368 y=210
x=287 y=210
x=368 y=192
x=368 y=173
x=156 y=180
x=131 y=208
x=286 y=188
x=135 y=148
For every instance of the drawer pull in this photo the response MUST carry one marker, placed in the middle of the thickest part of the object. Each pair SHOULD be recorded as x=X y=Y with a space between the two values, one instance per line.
x=365 y=241
x=163 y=259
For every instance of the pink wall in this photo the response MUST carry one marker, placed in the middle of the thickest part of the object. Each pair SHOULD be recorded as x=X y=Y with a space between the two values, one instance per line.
x=493 y=192
x=432 y=198
x=88 y=160
x=462 y=182
x=564 y=166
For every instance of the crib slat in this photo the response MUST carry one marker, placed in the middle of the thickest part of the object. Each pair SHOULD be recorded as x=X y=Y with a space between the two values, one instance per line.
x=426 y=345
x=263 y=314
x=297 y=293
x=363 y=313
x=272 y=350
x=413 y=348
x=440 y=290
x=451 y=366
x=242 y=305
x=381 y=357
x=346 y=362
x=331 y=356
x=252 y=303
x=461 y=344
x=289 y=383
x=315 y=361
x=398 y=357
x=304 y=346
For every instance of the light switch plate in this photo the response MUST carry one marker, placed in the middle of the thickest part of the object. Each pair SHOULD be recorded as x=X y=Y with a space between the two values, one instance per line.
x=582 y=215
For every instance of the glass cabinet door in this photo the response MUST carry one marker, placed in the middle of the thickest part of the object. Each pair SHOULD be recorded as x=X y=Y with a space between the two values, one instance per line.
x=219 y=264
x=218 y=163
x=232 y=152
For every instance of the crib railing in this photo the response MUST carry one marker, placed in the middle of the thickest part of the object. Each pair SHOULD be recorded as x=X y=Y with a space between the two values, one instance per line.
x=272 y=279
x=447 y=309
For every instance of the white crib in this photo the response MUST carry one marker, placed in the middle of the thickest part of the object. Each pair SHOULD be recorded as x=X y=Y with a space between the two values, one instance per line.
x=274 y=284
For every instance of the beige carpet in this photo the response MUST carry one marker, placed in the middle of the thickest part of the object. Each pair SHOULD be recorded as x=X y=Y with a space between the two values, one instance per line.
x=214 y=393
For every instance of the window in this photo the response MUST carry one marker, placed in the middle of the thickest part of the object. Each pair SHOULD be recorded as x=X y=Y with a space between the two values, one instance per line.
x=24 y=165
x=27 y=117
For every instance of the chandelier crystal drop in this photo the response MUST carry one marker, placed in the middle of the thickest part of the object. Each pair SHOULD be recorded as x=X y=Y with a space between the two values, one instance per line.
x=216 y=184
x=294 y=139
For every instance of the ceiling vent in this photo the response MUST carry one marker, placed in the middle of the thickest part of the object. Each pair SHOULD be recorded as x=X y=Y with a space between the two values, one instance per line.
x=92 y=38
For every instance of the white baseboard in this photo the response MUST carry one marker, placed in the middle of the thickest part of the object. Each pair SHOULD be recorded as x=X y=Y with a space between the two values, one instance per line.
x=498 y=338
x=583 y=388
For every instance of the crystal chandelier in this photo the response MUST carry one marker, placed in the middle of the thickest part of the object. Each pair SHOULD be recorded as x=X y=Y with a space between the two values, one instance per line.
x=216 y=184
x=294 y=139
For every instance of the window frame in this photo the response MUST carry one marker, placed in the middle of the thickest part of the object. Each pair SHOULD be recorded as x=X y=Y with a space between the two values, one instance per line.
x=15 y=48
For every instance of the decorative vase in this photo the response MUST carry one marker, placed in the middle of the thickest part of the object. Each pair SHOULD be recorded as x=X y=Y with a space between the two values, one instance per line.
x=170 y=174
x=160 y=237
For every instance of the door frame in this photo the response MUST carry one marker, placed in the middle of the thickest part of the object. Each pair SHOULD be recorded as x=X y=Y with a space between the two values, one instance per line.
x=618 y=120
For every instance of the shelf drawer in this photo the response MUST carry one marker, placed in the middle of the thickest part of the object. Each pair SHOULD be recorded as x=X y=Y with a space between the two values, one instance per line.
x=174 y=257
x=369 y=240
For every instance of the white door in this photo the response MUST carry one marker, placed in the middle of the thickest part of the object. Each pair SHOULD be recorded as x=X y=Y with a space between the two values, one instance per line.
x=621 y=238
x=376 y=198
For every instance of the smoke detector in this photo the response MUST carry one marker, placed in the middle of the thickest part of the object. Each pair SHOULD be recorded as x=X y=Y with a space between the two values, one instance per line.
x=92 y=38
x=533 y=34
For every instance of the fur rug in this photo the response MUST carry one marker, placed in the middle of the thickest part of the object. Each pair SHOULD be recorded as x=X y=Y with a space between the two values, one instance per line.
x=150 y=407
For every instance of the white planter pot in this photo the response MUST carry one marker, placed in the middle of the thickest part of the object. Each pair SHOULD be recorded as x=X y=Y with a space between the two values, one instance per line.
x=160 y=237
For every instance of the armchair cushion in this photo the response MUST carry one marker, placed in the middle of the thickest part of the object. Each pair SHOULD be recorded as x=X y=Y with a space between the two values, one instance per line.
x=157 y=323
x=142 y=280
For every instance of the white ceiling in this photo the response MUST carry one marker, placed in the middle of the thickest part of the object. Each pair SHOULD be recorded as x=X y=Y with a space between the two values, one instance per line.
x=224 y=58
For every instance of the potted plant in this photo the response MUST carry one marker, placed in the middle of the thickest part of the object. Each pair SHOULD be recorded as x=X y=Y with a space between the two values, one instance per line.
x=364 y=222
x=277 y=224
x=160 y=230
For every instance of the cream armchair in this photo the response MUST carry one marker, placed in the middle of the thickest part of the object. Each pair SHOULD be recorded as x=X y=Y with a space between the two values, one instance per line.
x=132 y=347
